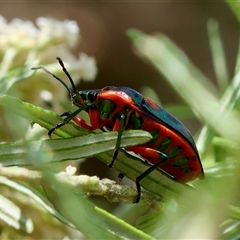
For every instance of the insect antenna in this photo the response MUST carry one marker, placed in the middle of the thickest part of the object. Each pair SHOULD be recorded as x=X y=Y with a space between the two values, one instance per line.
x=58 y=78
x=68 y=75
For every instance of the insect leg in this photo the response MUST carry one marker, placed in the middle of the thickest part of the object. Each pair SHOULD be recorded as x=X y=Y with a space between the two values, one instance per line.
x=120 y=178
x=65 y=114
x=66 y=120
x=119 y=126
x=78 y=121
x=163 y=159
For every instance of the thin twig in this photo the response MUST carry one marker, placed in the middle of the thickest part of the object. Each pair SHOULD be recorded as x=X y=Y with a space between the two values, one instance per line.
x=89 y=185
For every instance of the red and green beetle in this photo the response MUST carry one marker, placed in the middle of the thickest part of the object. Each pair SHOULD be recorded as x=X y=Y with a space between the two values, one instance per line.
x=172 y=148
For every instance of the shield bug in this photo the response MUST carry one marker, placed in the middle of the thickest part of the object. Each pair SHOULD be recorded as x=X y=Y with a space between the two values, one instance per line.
x=172 y=148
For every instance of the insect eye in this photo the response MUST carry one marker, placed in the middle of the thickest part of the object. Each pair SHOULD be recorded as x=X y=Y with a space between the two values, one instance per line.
x=92 y=96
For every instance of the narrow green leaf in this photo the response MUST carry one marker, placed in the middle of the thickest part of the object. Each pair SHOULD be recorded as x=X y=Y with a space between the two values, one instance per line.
x=220 y=170
x=225 y=143
x=13 y=216
x=35 y=195
x=18 y=154
x=218 y=55
x=229 y=101
x=44 y=118
x=230 y=229
x=93 y=222
x=55 y=150
x=235 y=7
x=153 y=223
x=157 y=182
x=235 y=212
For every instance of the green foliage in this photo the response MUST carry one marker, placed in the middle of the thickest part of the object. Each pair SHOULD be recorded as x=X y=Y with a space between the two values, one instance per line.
x=205 y=209
x=218 y=140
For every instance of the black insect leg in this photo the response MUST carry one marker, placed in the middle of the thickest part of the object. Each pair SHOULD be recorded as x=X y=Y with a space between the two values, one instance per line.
x=66 y=114
x=69 y=116
x=164 y=159
x=120 y=178
x=122 y=118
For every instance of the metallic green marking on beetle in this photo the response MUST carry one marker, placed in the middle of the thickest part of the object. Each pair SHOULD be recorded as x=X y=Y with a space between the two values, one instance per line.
x=174 y=152
x=181 y=161
x=105 y=108
x=166 y=142
x=136 y=120
x=155 y=135
x=186 y=169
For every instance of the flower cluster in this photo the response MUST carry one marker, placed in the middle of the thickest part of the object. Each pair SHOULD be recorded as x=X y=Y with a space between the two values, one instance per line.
x=24 y=45
x=24 y=36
